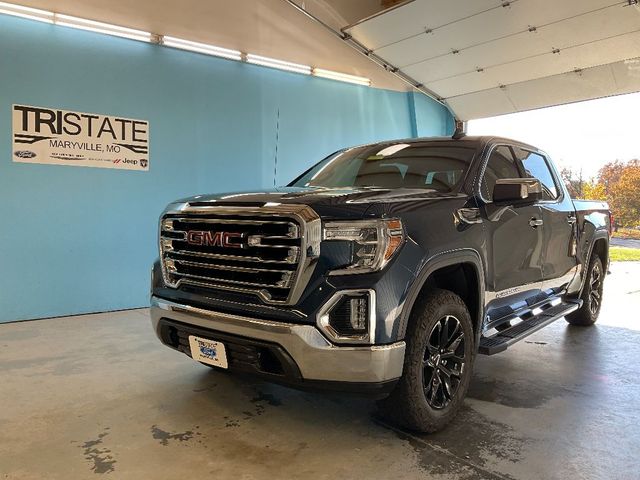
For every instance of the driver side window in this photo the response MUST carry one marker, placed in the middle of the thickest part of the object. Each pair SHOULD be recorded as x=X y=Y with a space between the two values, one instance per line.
x=501 y=164
x=535 y=166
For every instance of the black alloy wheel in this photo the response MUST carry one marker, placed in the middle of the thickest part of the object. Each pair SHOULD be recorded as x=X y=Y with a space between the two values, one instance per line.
x=595 y=290
x=591 y=295
x=438 y=364
x=444 y=362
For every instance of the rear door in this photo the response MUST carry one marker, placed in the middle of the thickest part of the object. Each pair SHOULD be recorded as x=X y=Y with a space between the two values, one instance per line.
x=559 y=220
x=514 y=236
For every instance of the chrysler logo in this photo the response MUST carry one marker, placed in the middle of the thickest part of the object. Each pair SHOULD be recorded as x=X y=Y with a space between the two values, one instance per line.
x=215 y=239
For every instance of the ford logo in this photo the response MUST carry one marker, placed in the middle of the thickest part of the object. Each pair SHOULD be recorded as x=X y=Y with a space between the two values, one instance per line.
x=24 y=154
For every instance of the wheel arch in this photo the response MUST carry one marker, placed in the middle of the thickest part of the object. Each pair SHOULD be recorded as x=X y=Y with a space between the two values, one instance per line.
x=599 y=246
x=441 y=271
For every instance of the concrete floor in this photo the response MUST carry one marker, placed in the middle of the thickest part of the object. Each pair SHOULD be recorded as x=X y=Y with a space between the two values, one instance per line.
x=97 y=395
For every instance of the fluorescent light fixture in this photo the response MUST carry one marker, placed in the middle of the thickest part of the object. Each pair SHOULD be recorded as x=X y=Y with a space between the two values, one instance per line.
x=342 y=77
x=99 y=27
x=26 y=12
x=281 y=64
x=201 y=48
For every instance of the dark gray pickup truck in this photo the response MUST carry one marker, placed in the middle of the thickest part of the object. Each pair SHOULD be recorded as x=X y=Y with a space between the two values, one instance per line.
x=384 y=269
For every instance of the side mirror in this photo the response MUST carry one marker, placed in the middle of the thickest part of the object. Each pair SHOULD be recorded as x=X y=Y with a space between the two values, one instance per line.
x=517 y=191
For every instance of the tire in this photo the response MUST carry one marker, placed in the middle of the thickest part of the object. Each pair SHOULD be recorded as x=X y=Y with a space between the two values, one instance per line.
x=591 y=295
x=413 y=404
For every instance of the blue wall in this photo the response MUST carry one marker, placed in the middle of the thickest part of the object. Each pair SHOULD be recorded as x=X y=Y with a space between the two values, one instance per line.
x=76 y=240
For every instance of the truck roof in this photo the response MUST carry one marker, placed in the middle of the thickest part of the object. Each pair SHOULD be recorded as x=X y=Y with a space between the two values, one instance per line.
x=480 y=140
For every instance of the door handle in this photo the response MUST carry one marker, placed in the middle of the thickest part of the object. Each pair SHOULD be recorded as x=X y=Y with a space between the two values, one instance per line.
x=535 y=222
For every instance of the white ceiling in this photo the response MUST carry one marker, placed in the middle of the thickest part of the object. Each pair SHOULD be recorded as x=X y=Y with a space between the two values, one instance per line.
x=265 y=27
x=490 y=57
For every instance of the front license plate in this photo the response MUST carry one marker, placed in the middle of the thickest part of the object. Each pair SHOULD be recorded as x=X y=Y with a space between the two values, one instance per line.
x=208 y=351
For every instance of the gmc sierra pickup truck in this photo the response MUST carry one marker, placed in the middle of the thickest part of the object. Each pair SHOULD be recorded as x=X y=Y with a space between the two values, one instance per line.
x=385 y=268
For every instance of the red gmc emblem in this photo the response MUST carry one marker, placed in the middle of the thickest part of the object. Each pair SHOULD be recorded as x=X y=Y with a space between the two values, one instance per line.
x=215 y=239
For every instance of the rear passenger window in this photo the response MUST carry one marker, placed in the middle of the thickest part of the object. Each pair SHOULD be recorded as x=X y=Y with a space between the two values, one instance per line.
x=501 y=164
x=535 y=166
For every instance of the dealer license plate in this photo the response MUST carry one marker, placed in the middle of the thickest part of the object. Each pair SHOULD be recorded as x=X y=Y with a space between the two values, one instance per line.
x=208 y=351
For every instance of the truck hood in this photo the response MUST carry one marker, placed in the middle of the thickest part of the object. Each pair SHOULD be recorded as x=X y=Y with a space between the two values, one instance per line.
x=352 y=202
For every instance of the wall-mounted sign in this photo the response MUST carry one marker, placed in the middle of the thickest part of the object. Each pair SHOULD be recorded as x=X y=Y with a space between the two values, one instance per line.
x=63 y=137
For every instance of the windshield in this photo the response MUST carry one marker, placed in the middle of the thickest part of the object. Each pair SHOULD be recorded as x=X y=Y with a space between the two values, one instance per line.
x=438 y=166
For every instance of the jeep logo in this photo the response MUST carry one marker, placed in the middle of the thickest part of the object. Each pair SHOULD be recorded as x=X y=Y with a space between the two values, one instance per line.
x=215 y=239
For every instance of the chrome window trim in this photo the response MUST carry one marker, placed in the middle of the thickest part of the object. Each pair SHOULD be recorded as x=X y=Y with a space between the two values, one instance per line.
x=485 y=162
x=547 y=160
x=560 y=186
x=518 y=162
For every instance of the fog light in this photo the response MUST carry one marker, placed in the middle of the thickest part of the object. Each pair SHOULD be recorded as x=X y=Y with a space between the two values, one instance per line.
x=349 y=317
x=358 y=307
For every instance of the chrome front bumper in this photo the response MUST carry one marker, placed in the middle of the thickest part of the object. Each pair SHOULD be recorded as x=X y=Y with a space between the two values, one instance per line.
x=316 y=357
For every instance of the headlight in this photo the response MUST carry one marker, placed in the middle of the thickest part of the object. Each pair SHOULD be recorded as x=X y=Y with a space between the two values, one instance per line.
x=374 y=242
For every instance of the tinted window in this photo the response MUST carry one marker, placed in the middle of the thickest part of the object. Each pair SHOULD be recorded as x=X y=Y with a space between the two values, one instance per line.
x=501 y=164
x=431 y=165
x=535 y=166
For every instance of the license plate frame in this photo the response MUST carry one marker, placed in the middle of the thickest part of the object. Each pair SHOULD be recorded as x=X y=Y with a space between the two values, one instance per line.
x=209 y=352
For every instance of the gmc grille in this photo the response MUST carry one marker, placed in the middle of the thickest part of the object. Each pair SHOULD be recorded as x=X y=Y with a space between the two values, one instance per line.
x=267 y=252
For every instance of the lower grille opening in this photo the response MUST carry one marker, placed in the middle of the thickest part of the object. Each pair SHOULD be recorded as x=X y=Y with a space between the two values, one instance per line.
x=170 y=336
x=243 y=354
x=268 y=362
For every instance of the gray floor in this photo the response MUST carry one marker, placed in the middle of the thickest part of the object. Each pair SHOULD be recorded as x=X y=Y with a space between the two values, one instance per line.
x=98 y=396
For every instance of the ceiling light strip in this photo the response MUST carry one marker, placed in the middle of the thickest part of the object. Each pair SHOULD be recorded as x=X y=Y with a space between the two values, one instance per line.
x=26 y=12
x=279 y=64
x=174 y=42
x=342 y=77
x=201 y=48
x=99 y=27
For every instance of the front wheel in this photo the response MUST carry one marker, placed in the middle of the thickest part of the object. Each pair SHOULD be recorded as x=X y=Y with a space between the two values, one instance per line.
x=438 y=364
x=591 y=295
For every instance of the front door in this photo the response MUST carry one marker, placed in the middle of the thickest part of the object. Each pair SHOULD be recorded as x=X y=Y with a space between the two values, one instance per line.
x=515 y=238
x=560 y=263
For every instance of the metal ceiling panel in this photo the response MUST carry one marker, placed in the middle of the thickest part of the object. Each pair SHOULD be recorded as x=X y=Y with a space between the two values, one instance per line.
x=478 y=49
x=605 y=80
x=581 y=57
x=492 y=24
x=414 y=17
x=486 y=103
x=589 y=28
